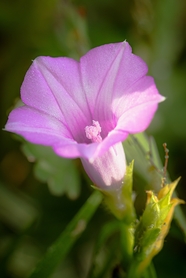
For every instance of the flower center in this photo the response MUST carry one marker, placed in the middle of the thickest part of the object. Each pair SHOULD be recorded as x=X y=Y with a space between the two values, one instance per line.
x=93 y=132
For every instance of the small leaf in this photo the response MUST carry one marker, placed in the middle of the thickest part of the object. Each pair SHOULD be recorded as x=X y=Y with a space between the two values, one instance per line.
x=60 y=174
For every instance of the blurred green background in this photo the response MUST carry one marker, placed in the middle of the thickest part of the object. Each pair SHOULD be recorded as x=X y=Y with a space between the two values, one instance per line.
x=32 y=213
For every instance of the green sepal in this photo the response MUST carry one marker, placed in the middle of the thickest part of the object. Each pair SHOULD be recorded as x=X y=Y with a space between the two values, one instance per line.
x=163 y=215
x=148 y=242
x=150 y=215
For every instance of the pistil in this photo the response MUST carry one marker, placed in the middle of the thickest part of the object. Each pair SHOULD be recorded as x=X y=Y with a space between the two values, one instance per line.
x=93 y=132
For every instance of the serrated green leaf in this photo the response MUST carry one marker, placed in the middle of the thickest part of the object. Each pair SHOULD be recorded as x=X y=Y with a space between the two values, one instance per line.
x=60 y=174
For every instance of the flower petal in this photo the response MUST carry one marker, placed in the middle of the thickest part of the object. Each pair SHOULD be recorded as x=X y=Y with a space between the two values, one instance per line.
x=40 y=128
x=53 y=85
x=109 y=71
x=94 y=66
x=36 y=93
x=136 y=110
x=36 y=126
x=74 y=150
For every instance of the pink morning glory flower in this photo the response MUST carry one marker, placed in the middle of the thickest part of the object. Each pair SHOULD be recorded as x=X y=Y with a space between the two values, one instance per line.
x=87 y=108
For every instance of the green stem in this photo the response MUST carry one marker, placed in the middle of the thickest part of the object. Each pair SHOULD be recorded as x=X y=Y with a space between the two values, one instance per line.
x=57 y=252
x=127 y=243
x=135 y=272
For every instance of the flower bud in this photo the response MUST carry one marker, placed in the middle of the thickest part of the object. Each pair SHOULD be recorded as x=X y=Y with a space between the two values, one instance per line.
x=154 y=225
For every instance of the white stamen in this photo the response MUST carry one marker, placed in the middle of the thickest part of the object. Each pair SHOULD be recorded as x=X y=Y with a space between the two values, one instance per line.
x=93 y=132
